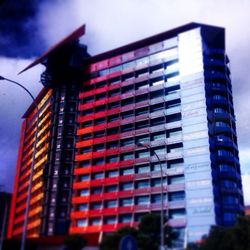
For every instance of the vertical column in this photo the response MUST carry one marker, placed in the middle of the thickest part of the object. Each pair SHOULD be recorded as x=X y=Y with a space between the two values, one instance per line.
x=198 y=177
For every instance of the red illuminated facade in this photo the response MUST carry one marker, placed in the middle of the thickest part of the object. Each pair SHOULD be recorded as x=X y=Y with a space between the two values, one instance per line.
x=90 y=171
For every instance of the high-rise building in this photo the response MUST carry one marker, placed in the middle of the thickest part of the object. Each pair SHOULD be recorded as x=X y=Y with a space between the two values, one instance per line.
x=4 y=211
x=110 y=122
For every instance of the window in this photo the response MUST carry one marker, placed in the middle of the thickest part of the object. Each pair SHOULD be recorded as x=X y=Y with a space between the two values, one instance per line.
x=156 y=198
x=175 y=163
x=177 y=213
x=142 y=200
x=113 y=144
x=83 y=207
x=175 y=148
x=99 y=147
x=229 y=200
x=113 y=118
x=86 y=150
x=143 y=124
x=126 y=202
x=157 y=107
x=127 y=156
x=127 y=101
x=96 y=190
x=114 y=92
x=112 y=173
x=112 y=158
x=228 y=184
x=127 y=127
x=156 y=182
x=82 y=223
x=110 y=220
x=113 y=131
x=127 y=186
x=156 y=94
x=84 y=192
x=100 y=96
x=98 y=161
x=143 y=169
x=127 y=89
x=99 y=134
x=143 y=154
x=159 y=150
x=177 y=196
x=229 y=217
x=87 y=112
x=85 y=164
x=143 y=60
x=127 y=114
x=95 y=221
x=159 y=136
x=224 y=153
x=143 y=84
x=84 y=177
x=96 y=205
x=99 y=121
x=142 y=139
x=142 y=184
x=96 y=176
x=141 y=98
x=86 y=136
x=176 y=179
x=158 y=121
x=113 y=105
x=125 y=218
x=142 y=111
x=128 y=65
x=127 y=171
x=111 y=203
x=88 y=99
x=127 y=141
x=111 y=188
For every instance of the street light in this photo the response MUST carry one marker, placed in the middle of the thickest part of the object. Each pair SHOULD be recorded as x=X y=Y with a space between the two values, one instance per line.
x=162 y=247
x=4 y=220
x=26 y=214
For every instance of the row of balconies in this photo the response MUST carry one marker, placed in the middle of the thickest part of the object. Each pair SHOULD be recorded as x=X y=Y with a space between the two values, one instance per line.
x=119 y=110
x=180 y=222
x=128 y=209
x=124 y=194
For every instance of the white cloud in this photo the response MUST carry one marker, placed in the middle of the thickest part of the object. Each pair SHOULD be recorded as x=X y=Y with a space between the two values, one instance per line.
x=246 y=188
x=13 y=103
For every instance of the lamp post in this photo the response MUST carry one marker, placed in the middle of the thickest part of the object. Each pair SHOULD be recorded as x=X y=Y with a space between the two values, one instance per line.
x=4 y=221
x=26 y=214
x=162 y=247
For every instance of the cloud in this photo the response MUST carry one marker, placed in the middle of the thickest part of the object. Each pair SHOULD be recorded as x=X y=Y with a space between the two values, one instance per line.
x=246 y=189
x=13 y=103
x=112 y=23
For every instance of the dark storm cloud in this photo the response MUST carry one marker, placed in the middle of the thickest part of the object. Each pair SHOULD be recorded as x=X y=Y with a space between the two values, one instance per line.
x=20 y=36
x=26 y=27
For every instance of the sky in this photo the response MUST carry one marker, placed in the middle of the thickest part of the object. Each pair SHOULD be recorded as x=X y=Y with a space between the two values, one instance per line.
x=29 y=27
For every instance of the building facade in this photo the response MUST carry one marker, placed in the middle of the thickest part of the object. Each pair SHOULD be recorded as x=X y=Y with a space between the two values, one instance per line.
x=163 y=102
x=4 y=212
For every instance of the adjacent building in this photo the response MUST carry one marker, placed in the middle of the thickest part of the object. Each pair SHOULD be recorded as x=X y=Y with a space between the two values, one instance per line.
x=4 y=212
x=109 y=123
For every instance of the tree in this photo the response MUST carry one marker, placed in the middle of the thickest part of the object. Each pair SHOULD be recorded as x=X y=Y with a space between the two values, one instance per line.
x=234 y=238
x=147 y=235
x=112 y=241
x=149 y=232
x=75 y=242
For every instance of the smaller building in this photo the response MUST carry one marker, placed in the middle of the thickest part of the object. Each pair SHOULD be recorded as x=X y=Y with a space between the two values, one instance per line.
x=4 y=212
x=247 y=210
